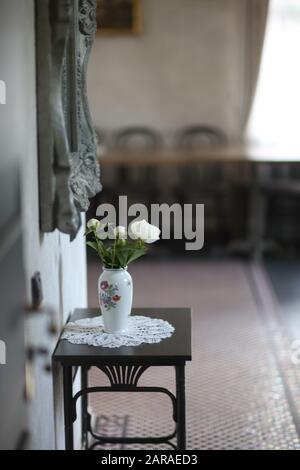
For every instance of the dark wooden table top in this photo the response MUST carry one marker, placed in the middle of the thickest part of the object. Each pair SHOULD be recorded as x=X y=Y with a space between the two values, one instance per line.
x=170 y=351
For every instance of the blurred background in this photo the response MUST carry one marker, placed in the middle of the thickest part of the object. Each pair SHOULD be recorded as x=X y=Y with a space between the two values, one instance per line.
x=201 y=105
x=198 y=102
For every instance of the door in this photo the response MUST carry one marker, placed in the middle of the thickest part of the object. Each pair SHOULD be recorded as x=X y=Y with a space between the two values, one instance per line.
x=33 y=418
x=12 y=285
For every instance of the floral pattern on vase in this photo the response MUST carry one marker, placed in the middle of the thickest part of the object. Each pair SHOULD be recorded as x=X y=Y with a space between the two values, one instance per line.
x=108 y=295
x=115 y=298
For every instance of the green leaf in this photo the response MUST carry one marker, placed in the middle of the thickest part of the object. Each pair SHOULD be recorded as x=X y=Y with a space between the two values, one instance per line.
x=93 y=245
x=88 y=231
x=121 y=258
x=136 y=254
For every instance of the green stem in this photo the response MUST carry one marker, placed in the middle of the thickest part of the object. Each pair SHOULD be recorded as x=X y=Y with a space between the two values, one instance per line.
x=100 y=249
x=114 y=253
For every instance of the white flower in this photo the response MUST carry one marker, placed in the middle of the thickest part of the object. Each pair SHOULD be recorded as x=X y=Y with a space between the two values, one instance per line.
x=92 y=223
x=143 y=231
x=103 y=232
x=120 y=232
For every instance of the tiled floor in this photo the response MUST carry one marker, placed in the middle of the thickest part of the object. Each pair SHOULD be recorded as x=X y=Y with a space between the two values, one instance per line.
x=243 y=392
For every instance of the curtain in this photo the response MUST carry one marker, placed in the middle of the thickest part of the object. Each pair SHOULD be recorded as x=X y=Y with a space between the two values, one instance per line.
x=275 y=114
x=256 y=20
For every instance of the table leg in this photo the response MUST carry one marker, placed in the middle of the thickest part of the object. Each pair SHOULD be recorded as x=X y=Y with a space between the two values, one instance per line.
x=180 y=399
x=84 y=408
x=68 y=398
x=256 y=214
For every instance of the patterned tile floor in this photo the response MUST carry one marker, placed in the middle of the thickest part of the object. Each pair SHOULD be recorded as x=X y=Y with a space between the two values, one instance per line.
x=243 y=392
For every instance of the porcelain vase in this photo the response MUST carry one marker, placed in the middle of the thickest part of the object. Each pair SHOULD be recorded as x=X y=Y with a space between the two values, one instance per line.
x=115 y=297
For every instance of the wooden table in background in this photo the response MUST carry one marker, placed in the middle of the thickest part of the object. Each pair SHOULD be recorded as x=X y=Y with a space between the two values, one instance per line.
x=257 y=157
x=238 y=153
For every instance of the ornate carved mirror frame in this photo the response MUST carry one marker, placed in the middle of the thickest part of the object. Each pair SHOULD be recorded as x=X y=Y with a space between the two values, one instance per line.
x=69 y=173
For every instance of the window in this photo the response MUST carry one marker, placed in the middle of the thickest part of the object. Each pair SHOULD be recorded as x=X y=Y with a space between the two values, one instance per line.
x=275 y=116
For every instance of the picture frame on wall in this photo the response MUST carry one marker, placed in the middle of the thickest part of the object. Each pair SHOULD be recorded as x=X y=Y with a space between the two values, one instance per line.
x=119 y=17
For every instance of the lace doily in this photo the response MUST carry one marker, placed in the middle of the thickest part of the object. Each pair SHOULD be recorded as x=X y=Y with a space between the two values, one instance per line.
x=141 y=330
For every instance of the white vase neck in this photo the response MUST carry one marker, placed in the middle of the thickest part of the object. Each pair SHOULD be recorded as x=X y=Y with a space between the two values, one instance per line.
x=115 y=270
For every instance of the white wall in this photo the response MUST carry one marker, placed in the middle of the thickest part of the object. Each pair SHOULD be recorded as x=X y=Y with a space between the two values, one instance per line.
x=62 y=264
x=185 y=68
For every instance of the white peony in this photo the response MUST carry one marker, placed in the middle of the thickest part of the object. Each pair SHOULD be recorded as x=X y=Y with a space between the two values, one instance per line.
x=142 y=230
x=92 y=223
x=103 y=232
x=120 y=232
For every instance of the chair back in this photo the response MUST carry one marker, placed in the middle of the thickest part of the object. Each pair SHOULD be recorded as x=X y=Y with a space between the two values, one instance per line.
x=197 y=136
x=137 y=138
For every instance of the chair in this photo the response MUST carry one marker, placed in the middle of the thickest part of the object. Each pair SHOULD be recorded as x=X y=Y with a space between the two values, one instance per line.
x=193 y=136
x=138 y=139
x=205 y=183
x=278 y=188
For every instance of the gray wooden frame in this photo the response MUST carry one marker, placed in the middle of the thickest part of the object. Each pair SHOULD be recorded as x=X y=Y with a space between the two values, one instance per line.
x=69 y=173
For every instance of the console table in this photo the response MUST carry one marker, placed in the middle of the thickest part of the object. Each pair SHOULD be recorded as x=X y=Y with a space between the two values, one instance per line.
x=124 y=367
